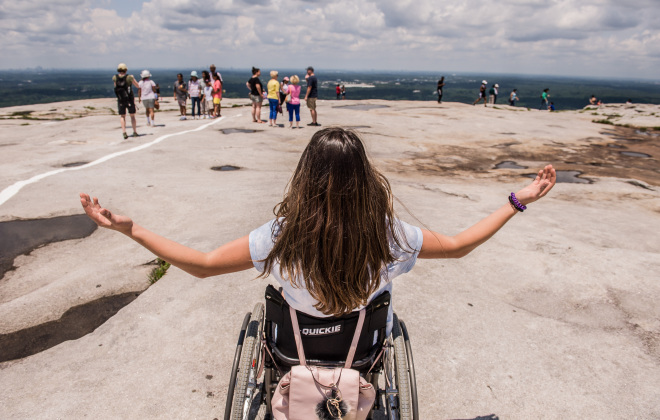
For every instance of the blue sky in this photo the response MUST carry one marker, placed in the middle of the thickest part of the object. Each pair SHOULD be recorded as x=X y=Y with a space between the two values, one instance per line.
x=589 y=38
x=123 y=8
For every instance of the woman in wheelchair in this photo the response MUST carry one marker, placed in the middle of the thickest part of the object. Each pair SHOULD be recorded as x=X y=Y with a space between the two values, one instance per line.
x=335 y=243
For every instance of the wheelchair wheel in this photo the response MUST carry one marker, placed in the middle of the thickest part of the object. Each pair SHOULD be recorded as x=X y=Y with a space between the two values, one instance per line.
x=400 y=398
x=246 y=389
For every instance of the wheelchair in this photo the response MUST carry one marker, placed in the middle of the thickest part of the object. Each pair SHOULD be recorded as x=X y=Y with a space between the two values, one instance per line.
x=266 y=350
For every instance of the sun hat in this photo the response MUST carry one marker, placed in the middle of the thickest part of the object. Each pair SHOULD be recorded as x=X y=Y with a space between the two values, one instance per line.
x=286 y=78
x=121 y=67
x=496 y=85
x=194 y=74
x=483 y=82
x=145 y=74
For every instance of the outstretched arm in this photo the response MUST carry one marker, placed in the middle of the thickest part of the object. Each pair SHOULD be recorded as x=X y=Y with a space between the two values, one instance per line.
x=231 y=257
x=436 y=245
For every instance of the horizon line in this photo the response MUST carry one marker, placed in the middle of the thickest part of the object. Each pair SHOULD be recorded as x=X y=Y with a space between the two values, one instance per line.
x=426 y=72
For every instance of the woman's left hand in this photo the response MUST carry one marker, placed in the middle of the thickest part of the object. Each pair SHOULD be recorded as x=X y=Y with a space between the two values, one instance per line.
x=542 y=184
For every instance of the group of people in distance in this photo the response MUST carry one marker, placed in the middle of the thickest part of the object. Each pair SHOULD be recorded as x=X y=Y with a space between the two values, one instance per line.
x=340 y=91
x=288 y=92
x=491 y=96
x=205 y=94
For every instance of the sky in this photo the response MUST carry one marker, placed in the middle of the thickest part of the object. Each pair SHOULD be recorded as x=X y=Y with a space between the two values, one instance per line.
x=586 y=38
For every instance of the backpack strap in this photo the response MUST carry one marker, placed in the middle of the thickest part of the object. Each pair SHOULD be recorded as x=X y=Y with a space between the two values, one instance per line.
x=296 y=334
x=354 y=343
x=356 y=338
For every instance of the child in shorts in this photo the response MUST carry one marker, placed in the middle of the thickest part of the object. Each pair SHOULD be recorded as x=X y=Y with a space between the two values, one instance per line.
x=208 y=100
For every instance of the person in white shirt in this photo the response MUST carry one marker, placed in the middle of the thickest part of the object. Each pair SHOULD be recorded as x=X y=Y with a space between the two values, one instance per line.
x=195 y=92
x=147 y=96
x=335 y=241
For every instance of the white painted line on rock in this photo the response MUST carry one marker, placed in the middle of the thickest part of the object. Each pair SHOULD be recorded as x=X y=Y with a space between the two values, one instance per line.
x=12 y=190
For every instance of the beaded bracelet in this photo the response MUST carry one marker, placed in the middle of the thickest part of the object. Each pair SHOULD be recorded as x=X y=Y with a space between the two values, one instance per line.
x=516 y=204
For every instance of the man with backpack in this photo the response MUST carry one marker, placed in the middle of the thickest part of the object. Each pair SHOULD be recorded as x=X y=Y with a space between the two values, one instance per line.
x=125 y=100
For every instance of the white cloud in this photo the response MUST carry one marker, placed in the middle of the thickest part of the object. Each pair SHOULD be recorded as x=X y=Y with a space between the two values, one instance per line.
x=582 y=37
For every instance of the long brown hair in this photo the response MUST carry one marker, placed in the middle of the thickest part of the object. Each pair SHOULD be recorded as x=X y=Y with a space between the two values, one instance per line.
x=334 y=224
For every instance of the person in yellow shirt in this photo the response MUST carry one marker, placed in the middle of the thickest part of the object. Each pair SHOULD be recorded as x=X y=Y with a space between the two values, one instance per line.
x=273 y=97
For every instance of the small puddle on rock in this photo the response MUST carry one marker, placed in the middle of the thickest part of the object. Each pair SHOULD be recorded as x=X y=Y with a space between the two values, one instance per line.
x=225 y=168
x=238 y=130
x=74 y=164
x=358 y=127
x=364 y=107
x=23 y=236
x=74 y=323
x=569 y=177
x=615 y=146
x=509 y=164
x=636 y=154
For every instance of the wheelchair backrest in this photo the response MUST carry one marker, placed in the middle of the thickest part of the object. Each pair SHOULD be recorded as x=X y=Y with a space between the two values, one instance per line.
x=325 y=340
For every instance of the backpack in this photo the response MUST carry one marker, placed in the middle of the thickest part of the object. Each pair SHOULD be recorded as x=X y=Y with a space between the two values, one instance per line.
x=123 y=89
x=307 y=392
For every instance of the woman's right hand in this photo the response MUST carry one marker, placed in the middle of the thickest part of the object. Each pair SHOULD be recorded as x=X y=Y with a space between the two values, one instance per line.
x=542 y=184
x=103 y=217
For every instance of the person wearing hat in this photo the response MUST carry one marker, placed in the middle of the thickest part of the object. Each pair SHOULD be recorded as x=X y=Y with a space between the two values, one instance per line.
x=493 y=93
x=482 y=94
x=125 y=100
x=181 y=95
x=195 y=91
x=147 y=96
x=312 y=94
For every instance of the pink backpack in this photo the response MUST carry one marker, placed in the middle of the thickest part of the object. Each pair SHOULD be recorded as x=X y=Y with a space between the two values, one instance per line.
x=314 y=392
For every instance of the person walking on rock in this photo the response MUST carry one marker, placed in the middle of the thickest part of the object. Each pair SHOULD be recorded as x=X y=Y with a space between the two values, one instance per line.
x=441 y=85
x=147 y=96
x=181 y=95
x=482 y=94
x=544 y=99
x=513 y=97
x=124 y=83
x=312 y=94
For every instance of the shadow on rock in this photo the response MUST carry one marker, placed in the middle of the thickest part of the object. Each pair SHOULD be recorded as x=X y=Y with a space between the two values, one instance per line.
x=24 y=236
x=74 y=323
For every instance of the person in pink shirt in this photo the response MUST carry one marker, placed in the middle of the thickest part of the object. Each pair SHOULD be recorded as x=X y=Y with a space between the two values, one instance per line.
x=293 y=105
x=217 y=95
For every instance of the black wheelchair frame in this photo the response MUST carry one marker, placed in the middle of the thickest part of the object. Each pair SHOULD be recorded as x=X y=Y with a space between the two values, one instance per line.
x=266 y=350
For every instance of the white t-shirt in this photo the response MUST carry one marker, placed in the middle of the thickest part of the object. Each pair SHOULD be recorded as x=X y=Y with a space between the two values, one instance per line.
x=263 y=238
x=147 y=91
x=208 y=92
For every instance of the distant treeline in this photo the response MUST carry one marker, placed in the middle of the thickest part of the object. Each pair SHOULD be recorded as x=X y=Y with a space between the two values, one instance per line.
x=31 y=87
